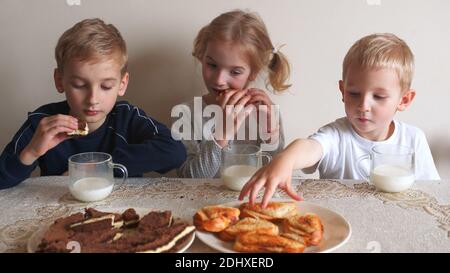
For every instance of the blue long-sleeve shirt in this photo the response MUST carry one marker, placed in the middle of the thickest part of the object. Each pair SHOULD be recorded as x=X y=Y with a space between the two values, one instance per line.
x=132 y=138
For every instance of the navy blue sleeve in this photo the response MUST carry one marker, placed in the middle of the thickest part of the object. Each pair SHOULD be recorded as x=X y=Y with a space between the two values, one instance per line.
x=12 y=170
x=150 y=147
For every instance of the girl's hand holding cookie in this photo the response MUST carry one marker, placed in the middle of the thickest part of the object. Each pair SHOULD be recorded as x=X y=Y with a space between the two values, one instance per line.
x=259 y=97
x=236 y=107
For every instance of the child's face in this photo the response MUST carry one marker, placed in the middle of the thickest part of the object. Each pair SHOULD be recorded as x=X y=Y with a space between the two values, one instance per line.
x=225 y=66
x=91 y=88
x=371 y=98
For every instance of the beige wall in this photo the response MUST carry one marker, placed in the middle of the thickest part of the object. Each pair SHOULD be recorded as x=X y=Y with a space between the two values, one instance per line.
x=159 y=34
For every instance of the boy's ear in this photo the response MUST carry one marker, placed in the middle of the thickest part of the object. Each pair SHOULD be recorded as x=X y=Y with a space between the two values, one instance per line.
x=341 y=88
x=406 y=99
x=57 y=76
x=123 y=84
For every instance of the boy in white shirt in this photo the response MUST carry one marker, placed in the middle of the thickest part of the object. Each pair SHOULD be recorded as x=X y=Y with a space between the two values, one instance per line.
x=376 y=83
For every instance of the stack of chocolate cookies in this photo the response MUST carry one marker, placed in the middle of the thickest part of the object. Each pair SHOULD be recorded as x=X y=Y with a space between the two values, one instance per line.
x=97 y=231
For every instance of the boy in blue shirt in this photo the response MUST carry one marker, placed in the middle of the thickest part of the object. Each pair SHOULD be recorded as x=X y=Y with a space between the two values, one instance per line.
x=92 y=72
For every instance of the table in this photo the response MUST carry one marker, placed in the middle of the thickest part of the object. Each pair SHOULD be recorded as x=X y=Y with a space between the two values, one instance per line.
x=417 y=220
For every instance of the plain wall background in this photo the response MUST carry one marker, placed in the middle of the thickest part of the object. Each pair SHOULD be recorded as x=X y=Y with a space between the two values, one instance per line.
x=160 y=33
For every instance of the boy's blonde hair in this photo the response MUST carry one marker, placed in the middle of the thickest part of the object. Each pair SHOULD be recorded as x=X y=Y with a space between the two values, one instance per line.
x=382 y=50
x=91 y=39
x=250 y=32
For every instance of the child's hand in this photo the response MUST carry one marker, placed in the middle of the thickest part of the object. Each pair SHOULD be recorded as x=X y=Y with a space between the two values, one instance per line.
x=259 y=97
x=50 y=132
x=233 y=97
x=276 y=174
x=236 y=98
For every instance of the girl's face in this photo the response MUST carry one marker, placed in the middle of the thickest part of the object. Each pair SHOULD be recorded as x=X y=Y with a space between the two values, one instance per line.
x=225 y=66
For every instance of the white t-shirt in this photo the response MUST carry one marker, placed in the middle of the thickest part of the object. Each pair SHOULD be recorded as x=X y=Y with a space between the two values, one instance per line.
x=343 y=147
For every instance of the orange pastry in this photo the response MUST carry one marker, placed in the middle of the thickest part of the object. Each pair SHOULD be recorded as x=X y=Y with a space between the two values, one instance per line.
x=273 y=212
x=215 y=218
x=257 y=242
x=246 y=225
x=307 y=226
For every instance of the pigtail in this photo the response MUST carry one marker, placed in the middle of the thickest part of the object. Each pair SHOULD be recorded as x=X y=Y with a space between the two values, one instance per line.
x=279 y=71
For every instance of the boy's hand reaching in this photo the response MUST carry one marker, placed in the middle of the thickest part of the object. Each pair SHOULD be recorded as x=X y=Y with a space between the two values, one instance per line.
x=50 y=132
x=276 y=174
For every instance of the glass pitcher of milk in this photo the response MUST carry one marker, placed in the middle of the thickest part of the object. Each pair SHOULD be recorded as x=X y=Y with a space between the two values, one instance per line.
x=91 y=176
x=391 y=167
x=239 y=163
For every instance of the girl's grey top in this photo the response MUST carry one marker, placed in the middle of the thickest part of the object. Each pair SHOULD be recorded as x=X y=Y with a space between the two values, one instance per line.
x=204 y=156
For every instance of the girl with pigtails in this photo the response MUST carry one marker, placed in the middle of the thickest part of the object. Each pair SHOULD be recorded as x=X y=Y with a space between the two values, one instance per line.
x=234 y=50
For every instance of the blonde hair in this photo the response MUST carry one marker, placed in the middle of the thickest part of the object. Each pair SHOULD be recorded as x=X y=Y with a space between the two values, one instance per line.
x=91 y=39
x=250 y=32
x=382 y=50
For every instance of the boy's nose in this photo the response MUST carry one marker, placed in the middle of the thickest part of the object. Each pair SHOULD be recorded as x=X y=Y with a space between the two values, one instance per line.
x=93 y=96
x=364 y=104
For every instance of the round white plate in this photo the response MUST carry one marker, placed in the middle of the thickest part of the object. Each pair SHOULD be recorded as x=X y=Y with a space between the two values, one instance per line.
x=36 y=238
x=337 y=230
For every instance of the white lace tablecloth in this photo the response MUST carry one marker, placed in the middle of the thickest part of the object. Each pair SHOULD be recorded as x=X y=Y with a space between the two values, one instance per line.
x=417 y=220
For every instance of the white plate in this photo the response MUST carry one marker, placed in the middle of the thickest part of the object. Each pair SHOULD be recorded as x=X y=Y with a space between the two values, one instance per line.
x=337 y=230
x=36 y=238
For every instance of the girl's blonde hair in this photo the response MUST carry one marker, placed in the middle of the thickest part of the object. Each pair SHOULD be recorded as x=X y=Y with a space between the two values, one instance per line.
x=382 y=50
x=250 y=32
x=91 y=39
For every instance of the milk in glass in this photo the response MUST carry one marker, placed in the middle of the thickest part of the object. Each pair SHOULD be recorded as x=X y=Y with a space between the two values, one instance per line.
x=91 y=189
x=235 y=177
x=391 y=178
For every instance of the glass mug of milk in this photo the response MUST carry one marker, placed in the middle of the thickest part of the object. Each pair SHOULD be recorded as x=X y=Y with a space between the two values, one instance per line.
x=391 y=167
x=91 y=176
x=239 y=163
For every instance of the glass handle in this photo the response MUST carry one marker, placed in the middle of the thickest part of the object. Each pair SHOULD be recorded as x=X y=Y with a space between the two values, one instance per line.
x=359 y=167
x=124 y=172
x=266 y=155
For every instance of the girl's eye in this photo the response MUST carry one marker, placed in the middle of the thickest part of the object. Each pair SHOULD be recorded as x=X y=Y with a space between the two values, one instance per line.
x=353 y=94
x=236 y=72
x=211 y=65
x=379 y=97
x=106 y=87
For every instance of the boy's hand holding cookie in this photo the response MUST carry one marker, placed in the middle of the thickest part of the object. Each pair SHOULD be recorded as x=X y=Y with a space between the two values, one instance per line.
x=50 y=132
x=82 y=129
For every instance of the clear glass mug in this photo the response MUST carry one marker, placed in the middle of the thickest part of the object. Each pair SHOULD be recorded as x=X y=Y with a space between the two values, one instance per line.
x=91 y=176
x=239 y=163
x=391 y=167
